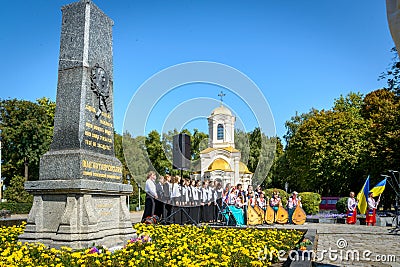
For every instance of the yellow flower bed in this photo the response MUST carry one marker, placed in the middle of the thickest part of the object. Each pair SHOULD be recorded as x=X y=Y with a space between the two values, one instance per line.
x=171 y=245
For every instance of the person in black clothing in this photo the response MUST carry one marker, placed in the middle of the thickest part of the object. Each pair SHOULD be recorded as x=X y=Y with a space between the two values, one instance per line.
x=160 y=201
x=167 y=196
x=195 y=209
x=204 y=202
x=213 y=199
x=219 y=192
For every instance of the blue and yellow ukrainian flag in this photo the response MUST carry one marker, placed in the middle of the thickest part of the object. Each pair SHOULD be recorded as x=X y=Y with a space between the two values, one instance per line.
x=379 y=188
x=362 y=197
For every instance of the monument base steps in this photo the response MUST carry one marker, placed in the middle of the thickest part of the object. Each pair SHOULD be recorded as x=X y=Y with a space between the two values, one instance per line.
x=75 y=217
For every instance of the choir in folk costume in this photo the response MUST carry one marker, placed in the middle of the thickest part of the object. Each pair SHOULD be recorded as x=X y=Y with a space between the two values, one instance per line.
x=179 y=200
x=205 y=201
x=351 y=217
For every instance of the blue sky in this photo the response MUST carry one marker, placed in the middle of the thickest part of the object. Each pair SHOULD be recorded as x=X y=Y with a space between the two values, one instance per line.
x=301 y=54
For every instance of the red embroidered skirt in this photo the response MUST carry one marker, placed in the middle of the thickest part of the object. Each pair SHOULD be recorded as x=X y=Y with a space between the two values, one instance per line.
x=351 y=217
x=370 y=216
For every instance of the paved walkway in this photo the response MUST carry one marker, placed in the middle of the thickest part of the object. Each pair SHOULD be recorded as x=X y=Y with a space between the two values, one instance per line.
x=343 y=245
x=354 y=245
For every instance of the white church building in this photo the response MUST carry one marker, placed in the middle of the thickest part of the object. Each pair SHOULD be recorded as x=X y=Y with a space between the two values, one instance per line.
x=221 y=160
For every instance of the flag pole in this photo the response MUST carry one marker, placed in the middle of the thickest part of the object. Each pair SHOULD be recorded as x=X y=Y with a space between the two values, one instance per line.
x=379 y=199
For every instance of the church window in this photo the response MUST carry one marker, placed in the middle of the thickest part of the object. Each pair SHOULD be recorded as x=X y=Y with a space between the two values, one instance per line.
x=220 y=132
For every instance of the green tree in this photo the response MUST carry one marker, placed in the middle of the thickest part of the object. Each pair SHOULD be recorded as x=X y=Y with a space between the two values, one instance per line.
x=261 y=156
x=50 y=108
x=26 y=129
x=242 y=144
x=294 y=123
x=325 y=152
x=255 y=141
x=382 y=109
x=156 y=153
x=119 y=154
x=277 y=174
x=136 y=158
x=199 y=142
x=392 y=73
x=167 y=143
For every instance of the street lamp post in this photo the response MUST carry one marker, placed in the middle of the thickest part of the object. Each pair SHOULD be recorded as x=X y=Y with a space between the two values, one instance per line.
x=139 y=196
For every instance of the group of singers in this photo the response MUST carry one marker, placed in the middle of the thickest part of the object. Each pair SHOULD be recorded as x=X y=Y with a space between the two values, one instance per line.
x=179 y=200
x=370 y=215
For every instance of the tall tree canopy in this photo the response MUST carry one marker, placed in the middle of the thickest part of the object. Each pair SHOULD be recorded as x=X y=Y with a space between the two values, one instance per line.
x=333 y=151
x=27 y=130
x=382 y=109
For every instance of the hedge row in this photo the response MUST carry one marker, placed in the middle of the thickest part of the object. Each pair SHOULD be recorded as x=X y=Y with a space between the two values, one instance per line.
x=310 y=202
x=341 y=205
x=16 y=208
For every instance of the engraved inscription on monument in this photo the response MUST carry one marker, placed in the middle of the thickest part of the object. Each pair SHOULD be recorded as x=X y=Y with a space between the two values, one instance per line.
x=107 y=209
x=98 y=128
x=101 y=170
x=99 y=132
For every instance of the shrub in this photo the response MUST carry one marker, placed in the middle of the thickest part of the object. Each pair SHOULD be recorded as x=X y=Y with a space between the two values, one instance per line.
x=14 y=207
x=310 y=202
x=341 y=205
x=284 y=196
x=16 y=192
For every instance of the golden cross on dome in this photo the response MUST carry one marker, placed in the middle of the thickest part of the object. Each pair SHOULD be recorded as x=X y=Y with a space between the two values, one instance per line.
x=221 y=95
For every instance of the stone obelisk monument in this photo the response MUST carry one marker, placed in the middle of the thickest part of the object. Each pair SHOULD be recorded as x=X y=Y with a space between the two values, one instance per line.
x=79 y=198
